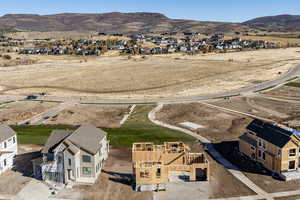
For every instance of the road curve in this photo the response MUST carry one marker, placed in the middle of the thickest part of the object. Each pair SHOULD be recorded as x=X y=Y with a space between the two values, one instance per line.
x=291 y=74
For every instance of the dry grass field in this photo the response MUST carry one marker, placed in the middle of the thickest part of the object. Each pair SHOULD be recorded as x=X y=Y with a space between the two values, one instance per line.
x=31 y=35
x=280 y=40
x=12 y=113
x=153 y=76
x=99 y=115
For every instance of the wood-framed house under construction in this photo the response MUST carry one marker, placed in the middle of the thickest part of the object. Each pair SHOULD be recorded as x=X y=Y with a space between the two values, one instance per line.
x=274 y=146
x=153 y=165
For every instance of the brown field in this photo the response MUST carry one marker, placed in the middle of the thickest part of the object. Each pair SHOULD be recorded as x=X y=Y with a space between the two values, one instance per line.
x=98 y=115
x=285 y=91
x=31 y=35
x=153 y=76
x=280 y=40
x=12 y=113
x=279 y=111
x=217 y=125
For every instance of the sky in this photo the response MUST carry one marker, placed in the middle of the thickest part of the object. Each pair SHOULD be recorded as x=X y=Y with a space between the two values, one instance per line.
x=204 y=10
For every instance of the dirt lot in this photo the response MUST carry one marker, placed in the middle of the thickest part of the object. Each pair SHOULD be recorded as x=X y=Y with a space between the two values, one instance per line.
x=217 y=126
x=99 y=115
x=114 y=181
x=165 y=75
x=12 y=113
x=289 y=198
x=279 y=111
x=285 y=91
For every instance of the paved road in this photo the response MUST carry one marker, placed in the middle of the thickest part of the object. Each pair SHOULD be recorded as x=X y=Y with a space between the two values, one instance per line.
x=293 y=73
x=8 y=98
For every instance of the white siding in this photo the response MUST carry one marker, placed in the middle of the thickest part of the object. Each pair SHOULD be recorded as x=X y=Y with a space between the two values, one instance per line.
x=9 y=145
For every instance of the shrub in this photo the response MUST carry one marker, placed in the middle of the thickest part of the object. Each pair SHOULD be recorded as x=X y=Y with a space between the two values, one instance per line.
x=7 y=57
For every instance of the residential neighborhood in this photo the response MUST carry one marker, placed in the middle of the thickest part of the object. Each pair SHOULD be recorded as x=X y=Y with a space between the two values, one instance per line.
x=135 y=45
x=149 y=100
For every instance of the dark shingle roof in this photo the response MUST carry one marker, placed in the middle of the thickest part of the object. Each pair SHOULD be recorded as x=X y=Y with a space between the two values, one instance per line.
x=6 y=132
x=55 y=139
x=248 y=140
x=269 y=132
x=87 y=137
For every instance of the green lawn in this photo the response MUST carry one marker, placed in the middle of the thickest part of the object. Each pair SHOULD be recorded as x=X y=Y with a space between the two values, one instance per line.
x=37 y=134
x=138 y=128
x=293 y=84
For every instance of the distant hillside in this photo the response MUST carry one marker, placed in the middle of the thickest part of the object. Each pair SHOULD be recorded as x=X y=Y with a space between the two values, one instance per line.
x=113 y=22
x=278 y=23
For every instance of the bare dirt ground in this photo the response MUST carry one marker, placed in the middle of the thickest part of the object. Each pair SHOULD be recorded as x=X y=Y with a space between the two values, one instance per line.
x=13 y=181
x=100 y=115
x=285 y=91
x=155 y=76
x=217 y=126
x=12 y=113
x=279 y=111
x=114 y=181
x=289 y=198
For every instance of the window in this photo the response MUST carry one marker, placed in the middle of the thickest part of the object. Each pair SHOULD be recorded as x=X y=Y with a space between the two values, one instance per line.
x=5 y=145
x=292 y=152
x=259 y=142
x=264 y=144
x=264 y=156
x=259 y=153
x=5 y=163
x=252 y=148
x=87 y=170
x=144 y=174
x=70 y=162
x=292 y=165
x=14 y=140
x=158 y=172
x=86 y=158
x=279 y=152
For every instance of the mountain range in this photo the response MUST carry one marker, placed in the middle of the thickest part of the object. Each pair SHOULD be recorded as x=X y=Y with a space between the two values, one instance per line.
x=116 y=22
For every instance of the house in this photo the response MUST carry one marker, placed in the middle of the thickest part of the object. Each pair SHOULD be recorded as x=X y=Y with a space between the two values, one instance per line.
x=155 y=165
x=73 y=156
x=274 y=146
x=8 y=147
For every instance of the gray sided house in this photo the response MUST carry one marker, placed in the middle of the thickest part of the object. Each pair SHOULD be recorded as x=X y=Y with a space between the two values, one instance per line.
x=73 y=156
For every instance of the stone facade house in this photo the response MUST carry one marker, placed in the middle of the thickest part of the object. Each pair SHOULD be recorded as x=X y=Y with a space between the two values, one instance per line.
x=8 y=147
x=73 y=156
